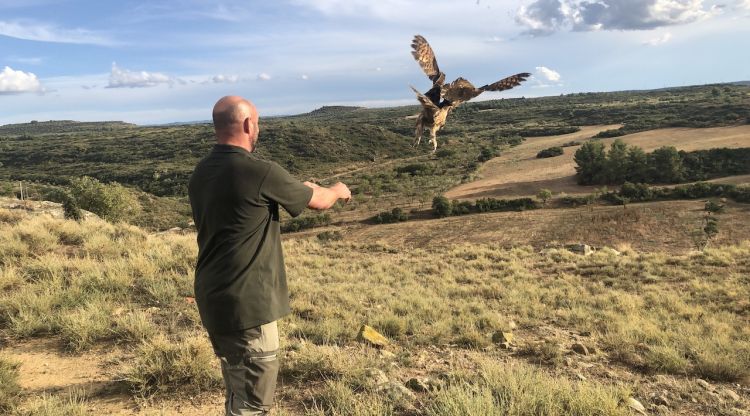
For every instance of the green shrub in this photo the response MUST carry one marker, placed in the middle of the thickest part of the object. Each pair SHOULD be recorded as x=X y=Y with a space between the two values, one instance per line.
x=487 y=153
x=113 y=202
x=714 y=207
x=330 y=236
x=442 y=206
x=550 y=152
x=303 y=223
x=71 y=209
x=416 y=169
x=395 y=215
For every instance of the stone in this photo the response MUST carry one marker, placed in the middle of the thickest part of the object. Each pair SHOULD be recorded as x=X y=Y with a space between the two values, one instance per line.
x=661 y=400
x=730 y=394
x=369 y=335
x=662 y=410
x=583 y=249
x=579 y=348
x=636 y=405
x=505 y=345
x=704 y=384
x=376 y=377
x=581 y=376
x=387 y=354
x=396 y=391
x=500 y=337
x=418 y=384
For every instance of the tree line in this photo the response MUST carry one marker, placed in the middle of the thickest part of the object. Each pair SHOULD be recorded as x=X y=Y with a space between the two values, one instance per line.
x=665 y=165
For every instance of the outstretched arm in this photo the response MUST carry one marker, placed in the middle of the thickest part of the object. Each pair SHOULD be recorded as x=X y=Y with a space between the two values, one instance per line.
x=324 y=198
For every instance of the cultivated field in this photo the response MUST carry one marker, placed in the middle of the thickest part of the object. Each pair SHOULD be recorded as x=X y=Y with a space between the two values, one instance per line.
x=517 y=172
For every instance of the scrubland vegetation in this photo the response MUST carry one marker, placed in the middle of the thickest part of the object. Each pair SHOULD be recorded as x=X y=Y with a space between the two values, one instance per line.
x=92 y=283
x=367 y=148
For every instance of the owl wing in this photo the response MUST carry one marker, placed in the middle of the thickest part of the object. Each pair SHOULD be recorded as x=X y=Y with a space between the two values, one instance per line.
x=425 y=57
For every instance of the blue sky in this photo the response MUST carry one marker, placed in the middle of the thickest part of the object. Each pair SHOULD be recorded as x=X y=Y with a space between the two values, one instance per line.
x=164 y=61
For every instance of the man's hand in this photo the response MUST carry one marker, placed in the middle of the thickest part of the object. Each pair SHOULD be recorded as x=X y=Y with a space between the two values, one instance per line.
x=324 y=198
x=343 y=191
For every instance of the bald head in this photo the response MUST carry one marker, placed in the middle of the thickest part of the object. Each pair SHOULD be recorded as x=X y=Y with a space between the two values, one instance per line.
x=235 y=121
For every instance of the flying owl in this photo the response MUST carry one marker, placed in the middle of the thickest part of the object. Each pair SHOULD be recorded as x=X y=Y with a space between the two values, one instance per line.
x=442 y=98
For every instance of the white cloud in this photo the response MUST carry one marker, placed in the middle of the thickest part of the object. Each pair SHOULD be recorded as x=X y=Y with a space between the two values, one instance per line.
x=123 y=78
x=27 y=60
x=305 y=77
x=542 y=17
x=228 y=79
x=548 y=74
x=263 y=77
x=30 y=30
x=14 y=82
x=659 y=40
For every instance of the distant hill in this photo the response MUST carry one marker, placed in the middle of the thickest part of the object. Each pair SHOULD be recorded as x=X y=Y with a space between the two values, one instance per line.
x=331 y=110
x=62 y=126
x=744 y=83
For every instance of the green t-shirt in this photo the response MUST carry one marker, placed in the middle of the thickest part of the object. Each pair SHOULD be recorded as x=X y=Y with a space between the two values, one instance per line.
x=240 y=281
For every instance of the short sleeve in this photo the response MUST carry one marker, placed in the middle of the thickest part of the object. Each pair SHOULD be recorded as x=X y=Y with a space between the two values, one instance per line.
x=286 y=190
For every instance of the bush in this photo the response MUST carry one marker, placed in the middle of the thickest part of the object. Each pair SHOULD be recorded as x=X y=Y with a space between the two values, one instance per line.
x=486 y=154
x=113 y=202
x=491 y=204
x=442 y=206
x=550 y=152
x=330 y=236
x=636 y=192
x=714 y=207
x=445 y=153
x=71 y=209
x=544 y=195
x=297 y=224
x=395 y=215
x=461 y=207
x=416 y=169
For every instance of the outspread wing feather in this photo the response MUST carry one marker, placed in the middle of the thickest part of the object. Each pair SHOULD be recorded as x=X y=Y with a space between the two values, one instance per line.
x=422 y=52
x=506 y=83
x=460 y=91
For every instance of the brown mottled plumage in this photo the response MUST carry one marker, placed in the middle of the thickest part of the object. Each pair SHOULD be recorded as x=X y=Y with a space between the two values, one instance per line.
x=434 y=111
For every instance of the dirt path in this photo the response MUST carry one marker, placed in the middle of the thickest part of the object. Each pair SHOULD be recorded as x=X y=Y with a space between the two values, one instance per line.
x=46 y=369
x=519 y=173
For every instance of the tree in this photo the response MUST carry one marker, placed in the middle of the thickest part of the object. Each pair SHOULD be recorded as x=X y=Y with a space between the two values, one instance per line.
x=544 y=195
x=666 y=165
x=638 y=169
x=617 y=162
x=442 y=206
x=592 y=163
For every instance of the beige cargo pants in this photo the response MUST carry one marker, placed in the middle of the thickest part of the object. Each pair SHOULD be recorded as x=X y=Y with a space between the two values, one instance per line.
x=250 y=366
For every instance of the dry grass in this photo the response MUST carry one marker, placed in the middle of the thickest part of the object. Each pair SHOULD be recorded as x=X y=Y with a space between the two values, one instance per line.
x=94 y=284
x=658 y=226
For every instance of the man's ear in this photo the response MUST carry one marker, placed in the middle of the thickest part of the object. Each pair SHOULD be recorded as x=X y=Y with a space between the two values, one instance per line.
x=247 y=125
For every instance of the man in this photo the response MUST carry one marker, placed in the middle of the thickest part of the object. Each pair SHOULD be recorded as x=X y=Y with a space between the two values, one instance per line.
x=240 y=281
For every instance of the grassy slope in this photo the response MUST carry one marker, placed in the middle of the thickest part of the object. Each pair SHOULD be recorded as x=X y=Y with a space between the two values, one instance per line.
x=95 y=285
